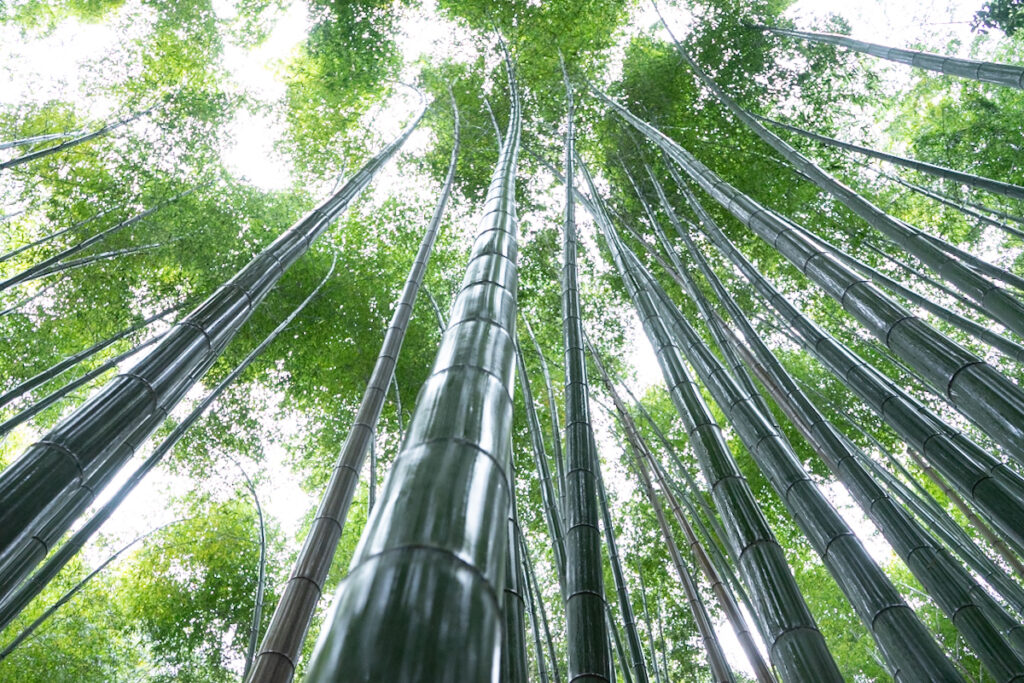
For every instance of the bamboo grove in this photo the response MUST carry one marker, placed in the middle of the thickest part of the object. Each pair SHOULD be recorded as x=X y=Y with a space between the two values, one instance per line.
x=406 y=438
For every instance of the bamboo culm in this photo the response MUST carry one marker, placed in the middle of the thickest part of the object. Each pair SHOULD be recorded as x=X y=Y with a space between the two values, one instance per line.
x=428 y=527
x=97 y=435
x=795 y=644
x=586 y=635
x=556 y=429
x=908 y=647
x=1008 y=75
x=986 y=481
x=948 y=261
x=73 y=591
x=74 y=359
x=954 y=590
x=968 y=383
x=552 y=513
x=12 y=604
x=514 y=663
x=531 y=576
x=959 y=177
x=720 y=671
x=282 y=642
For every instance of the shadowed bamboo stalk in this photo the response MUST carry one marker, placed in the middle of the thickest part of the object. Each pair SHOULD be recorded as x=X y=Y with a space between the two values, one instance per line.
x=636 y=653
x=926 y=508
x=716 y=659
x=74 y=590
x=531 y=577
x=431 y=527
x=282 y=642
x=1008 y=75
x=556 y=429
x=983 y=478
x=968 y=383
x=552 y=514
x=13 y=603
x=1010 y=348
x=950 y=262
x=725 y=599
x=959 y=177
x=589 y=656
x=102 y=433
x=967 y=211
x=909 y=648
x=532 y=609
x=954 y=590
x=55 y=234
x=74 y=359
x=514 y=664
x=36 y=139
x=795 y=644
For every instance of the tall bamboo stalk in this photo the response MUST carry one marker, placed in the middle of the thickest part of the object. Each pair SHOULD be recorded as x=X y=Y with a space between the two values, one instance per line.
x=589 y=657
x=552 y=513
x=975 y=388
x=953 y=589
x=514 y=664
x=531 y=576
x=100 y=434
x=636 y=652
x=1008 y=75
x=13 y=603
x=556 y=430
x=986 y=481
x=55 y=234
x=716 y=658
x=725 y=599
x=950 y=262
x=908 y=647
x=287 y=630
x=74 y=359
x=959 y=177
x=428 y=573
x=795 y=644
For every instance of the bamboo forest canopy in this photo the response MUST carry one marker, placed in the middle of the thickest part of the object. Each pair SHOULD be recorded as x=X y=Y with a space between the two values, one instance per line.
x=522 y=341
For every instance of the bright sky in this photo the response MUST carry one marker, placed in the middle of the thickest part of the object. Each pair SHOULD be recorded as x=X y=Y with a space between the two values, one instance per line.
x=30 y=71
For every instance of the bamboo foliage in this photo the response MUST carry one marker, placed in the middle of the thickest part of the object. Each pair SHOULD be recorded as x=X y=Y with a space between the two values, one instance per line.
x=290 y=622
x=74 y=141
x=101 y=435
x=795 y=645
x=427 y=577
x=42 y=268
